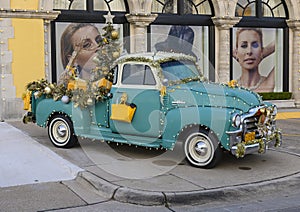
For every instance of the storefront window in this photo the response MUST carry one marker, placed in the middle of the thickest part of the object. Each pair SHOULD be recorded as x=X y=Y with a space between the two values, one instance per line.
x=182 y=6
x=115 y=5
x=103 y=5
x=87 y=17
x=164 y=6
x=86 y=33
x=200 y=7
x=191 y=40
x=261 y=8
x=260 y=53
x=184 y=26
x=69 y=4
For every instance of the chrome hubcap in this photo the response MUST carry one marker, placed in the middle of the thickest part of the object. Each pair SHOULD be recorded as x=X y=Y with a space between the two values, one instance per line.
x=201 y=148
x=61 y=130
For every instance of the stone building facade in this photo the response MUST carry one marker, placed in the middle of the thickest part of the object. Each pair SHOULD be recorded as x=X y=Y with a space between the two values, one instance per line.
x=213 y=21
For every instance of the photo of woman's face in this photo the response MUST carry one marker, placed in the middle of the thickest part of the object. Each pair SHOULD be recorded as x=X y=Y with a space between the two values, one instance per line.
x=249 y=49
x=88 y=37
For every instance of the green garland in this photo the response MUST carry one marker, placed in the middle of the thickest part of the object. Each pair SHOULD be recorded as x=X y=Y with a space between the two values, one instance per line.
x=49 y=90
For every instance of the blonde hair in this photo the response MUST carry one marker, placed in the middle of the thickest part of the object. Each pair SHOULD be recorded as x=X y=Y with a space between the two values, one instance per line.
x=66 y=46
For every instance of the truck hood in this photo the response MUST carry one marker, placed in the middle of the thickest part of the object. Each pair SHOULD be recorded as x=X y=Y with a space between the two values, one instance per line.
x=209 y=94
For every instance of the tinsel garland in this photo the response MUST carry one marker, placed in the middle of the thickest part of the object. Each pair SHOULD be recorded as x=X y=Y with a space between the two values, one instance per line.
x=49 y=90
x=156 y=65
x=79 y=97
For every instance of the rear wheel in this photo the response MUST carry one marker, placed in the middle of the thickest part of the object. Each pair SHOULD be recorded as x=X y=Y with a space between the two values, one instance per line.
x=201 y=147
x=61 y=132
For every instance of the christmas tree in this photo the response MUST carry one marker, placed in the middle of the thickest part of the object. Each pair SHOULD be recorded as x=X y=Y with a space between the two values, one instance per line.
x=84 y=93
x=108 y=52
x=102 y=75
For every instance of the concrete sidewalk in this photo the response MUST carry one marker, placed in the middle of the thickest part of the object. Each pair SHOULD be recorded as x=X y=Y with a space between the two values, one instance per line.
x=25 y=161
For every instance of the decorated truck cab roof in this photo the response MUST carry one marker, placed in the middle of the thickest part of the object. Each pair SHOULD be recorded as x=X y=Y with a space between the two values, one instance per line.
x=155 y=100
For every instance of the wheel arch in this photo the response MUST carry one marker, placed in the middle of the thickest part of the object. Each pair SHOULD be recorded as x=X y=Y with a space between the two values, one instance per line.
x=55 y=113
x=190 y=127
x=46 y=108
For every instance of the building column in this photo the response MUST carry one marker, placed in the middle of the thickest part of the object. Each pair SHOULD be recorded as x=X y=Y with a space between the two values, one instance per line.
x=46 y=6
x=139 y=18
x=8 y=90
x=138 y=30
x=295 y=27
x=223 y=26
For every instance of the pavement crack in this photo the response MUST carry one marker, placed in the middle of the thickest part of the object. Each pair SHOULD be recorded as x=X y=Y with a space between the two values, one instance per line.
x=285 y=151
x=166 y=204
x=188 y=181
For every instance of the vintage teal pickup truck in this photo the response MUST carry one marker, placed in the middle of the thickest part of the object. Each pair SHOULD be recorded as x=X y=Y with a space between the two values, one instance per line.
x=158 y=99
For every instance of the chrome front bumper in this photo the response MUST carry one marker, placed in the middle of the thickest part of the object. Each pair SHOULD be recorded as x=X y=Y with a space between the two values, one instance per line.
x=261 y=145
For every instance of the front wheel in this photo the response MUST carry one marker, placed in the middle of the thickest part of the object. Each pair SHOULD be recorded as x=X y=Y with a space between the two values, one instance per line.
x=201 y=148
x=61 y=132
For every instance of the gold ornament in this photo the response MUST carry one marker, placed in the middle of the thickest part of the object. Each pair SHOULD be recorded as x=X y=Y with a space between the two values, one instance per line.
x=232 y=83
x=116 y=54
x=104 y=68
x=105 y=40
x=114 y=35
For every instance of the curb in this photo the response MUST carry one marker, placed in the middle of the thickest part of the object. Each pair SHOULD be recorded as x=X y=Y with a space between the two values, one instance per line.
x=103 y=187
x=258 y=189
x=151 y=198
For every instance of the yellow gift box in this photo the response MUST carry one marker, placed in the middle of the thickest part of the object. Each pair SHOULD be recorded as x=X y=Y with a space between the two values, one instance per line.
x=122 y=112
x=26 y=100
x=77 y=83
x=103 y=83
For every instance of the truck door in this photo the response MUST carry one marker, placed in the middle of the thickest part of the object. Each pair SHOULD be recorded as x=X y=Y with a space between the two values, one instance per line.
x=138 y=84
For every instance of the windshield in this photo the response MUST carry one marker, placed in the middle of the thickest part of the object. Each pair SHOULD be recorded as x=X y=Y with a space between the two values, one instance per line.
x=179 y=70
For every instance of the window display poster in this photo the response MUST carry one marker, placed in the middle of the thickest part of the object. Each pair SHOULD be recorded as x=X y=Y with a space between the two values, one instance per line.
x=70 y=35
x=258 y=58
x=191 y=40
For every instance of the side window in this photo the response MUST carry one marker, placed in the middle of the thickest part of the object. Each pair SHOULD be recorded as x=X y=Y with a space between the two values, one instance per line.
x=115 y=71
x=137 y=74
x=149 y=78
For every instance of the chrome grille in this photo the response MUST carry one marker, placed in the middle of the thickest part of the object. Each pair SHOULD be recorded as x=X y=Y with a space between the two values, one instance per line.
x=250 y=124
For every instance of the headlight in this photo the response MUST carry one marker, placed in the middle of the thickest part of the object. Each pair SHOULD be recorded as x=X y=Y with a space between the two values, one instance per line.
x=236 y=120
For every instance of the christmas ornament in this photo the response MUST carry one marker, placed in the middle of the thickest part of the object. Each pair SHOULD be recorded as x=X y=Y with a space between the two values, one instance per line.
x=36 y=94
x=104 y=68
x=89 y=101
x=114 y=35
x=65 y=99
x=116 y=54
x=47 y=90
